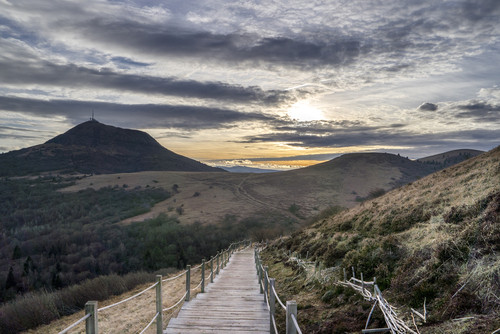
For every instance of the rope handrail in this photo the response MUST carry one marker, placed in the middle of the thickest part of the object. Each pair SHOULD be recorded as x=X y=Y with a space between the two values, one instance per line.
x=172 y=278
x=126 y=300
x=296 y=324
x=198 y=266
x=274 y=324
x=154 y=318
x=197 y=286
x=267 y=304
x=173 y=306
x=278 y=299
x=75 y=324
x=92 y=310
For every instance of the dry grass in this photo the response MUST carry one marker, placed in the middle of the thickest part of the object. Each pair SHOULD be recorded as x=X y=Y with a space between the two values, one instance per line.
x=437 y=238
x=131 y=316
x=311 y=189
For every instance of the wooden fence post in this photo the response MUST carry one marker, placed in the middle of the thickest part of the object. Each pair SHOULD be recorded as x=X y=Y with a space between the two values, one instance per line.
x=188 y=282
x=159 y=306
x=362 y=283
x=272 y=305
x=202 y=275
x=345 y=275
x=353 y=273
x=91 y=326
x=266 y=270
x=212 y=270
x=218 y=255
x=291 y=308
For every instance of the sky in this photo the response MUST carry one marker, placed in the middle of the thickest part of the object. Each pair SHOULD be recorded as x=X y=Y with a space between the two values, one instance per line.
x=271 y=84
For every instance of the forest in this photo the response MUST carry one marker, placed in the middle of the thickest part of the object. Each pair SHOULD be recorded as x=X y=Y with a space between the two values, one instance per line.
x=51 y=239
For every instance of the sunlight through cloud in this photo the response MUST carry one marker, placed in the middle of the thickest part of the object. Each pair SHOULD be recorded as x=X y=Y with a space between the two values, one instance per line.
x=303 y=111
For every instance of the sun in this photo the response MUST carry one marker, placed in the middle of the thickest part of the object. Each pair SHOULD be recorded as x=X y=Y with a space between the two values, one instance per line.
x=302 y=111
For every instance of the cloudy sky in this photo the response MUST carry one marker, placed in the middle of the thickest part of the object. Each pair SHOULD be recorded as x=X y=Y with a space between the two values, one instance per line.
x=256 y=82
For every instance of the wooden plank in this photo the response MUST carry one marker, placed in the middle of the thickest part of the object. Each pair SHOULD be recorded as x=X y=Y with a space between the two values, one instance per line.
x=232 y=304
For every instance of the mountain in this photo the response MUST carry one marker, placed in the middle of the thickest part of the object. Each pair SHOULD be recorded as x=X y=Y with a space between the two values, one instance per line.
x=434 y=241
x=93 y=147
x=447 y=159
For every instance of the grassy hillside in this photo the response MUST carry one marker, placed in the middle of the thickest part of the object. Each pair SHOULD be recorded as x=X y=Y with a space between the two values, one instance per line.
x=293 y=195
x=447 y=159
x=437 y=239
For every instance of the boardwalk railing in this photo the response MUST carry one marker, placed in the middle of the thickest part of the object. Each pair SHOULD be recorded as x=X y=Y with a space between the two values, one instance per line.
x=221 y=259
x=268 y=289
x=394 y=323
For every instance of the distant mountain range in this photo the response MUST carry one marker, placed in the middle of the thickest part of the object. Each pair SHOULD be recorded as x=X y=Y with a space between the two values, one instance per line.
x=93 y=147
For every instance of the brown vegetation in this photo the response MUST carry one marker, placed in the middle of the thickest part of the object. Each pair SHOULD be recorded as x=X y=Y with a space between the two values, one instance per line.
x=434 y=240
x=308 y=191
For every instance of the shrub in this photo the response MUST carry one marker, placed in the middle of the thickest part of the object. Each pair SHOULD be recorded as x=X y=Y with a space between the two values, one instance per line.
x=35 y=309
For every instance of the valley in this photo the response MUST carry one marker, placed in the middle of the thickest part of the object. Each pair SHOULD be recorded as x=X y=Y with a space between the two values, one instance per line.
x=299 y=194
x=61 y=225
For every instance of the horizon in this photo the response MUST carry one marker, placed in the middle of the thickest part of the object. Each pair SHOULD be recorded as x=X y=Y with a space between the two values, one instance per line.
x=269 y=165
x=262 y=84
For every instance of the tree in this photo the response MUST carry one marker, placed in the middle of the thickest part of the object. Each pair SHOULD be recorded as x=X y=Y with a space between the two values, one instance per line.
x=11 y=280
x=16 y=254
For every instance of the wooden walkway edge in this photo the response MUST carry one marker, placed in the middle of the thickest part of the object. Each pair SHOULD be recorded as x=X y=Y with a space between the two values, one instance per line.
x=232 y=304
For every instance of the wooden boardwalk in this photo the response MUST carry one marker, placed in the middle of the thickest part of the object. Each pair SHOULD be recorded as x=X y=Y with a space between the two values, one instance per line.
x=232 y=304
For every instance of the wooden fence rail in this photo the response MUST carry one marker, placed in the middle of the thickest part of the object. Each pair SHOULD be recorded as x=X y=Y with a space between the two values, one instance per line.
x=222 y=258
x=268 y=289
x=327 y=276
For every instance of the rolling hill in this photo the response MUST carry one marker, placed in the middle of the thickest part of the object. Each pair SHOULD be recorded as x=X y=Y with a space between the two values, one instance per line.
x=293 y=195
x=435 y=240
x=95 y=148
x=450 y=158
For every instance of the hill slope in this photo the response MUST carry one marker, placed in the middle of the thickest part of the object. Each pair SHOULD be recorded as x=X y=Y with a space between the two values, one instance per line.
x=450 y=158
x=297 y=194
x=93 y=147
x=436 y=239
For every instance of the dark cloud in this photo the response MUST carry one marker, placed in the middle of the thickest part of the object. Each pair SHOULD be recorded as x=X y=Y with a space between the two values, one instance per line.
x=476 y=10
x=3 y=128
x=10 y=136
x=428 y=107
x=126 y=63
x=369 y=136
x=21 y=72
x=316 y=127
x=136 y=115
x=480 y=112
x=234 y=47
x=317 y=157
